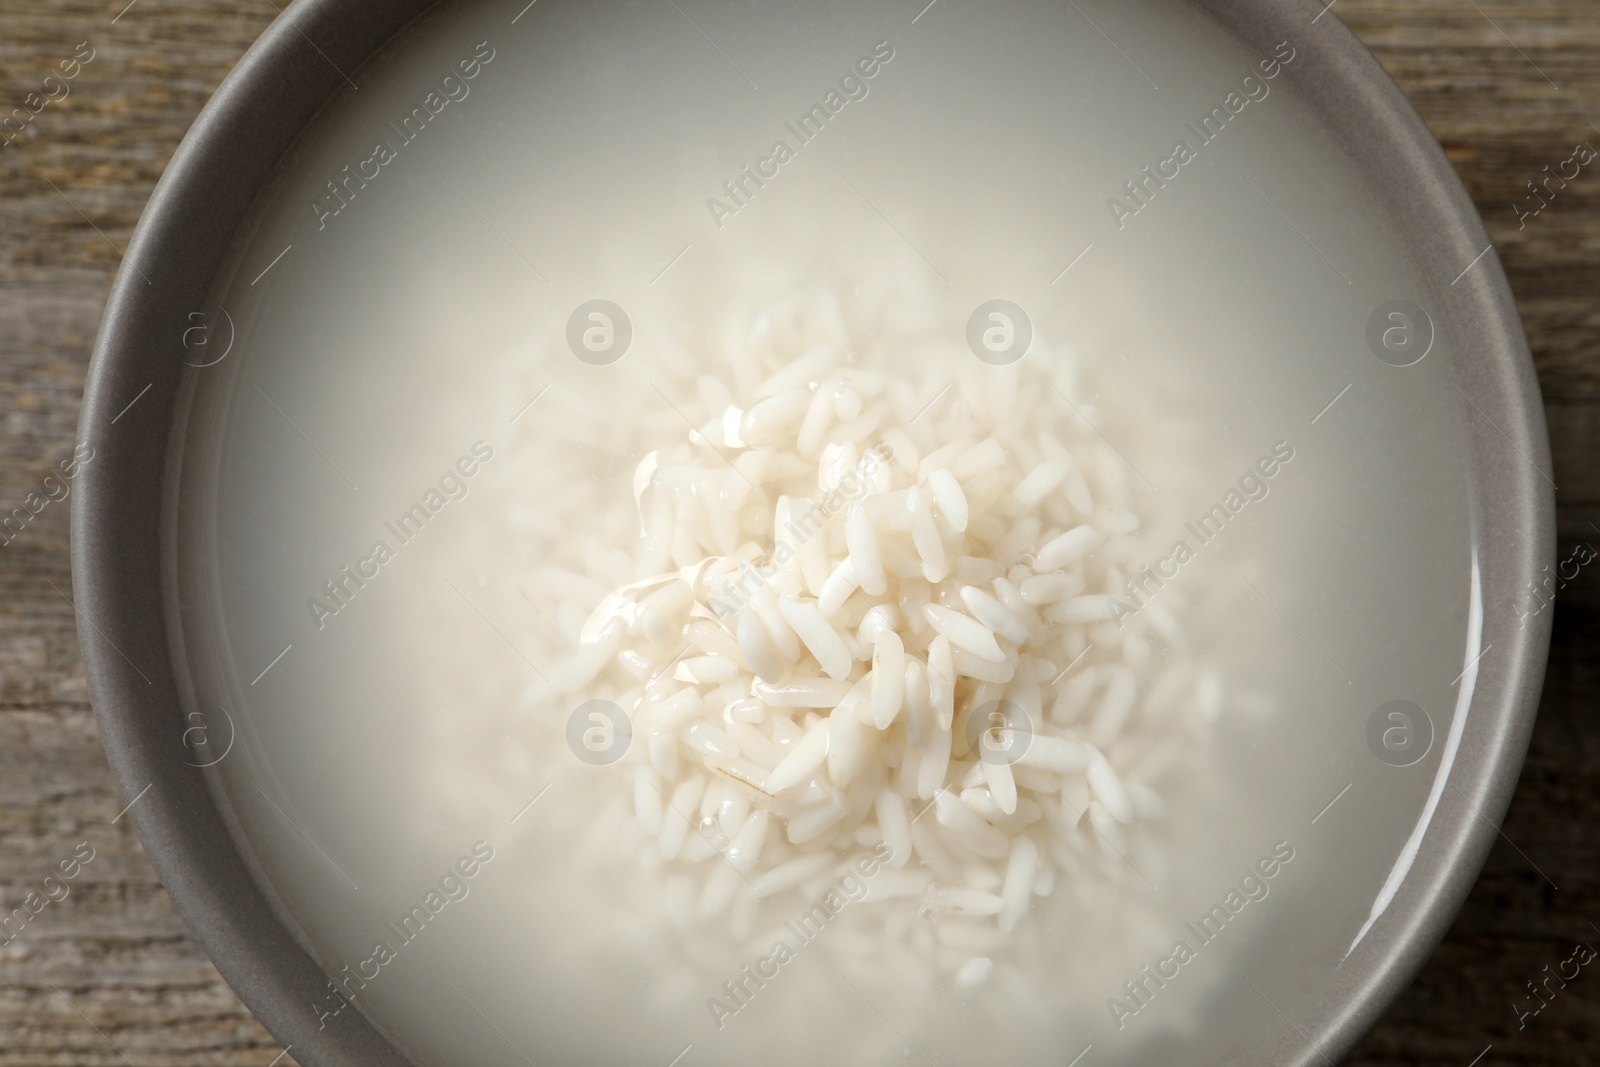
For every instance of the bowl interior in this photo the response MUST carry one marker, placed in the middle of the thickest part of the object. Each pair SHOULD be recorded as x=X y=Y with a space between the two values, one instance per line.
x=1236 y=251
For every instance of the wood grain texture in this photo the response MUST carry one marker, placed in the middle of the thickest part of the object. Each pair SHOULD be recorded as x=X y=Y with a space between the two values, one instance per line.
x=111 y=976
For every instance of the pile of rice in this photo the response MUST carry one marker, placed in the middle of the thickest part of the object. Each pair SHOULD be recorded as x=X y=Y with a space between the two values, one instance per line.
x=876 y=610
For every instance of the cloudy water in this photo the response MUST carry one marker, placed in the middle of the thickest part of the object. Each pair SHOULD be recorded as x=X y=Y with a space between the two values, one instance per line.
x=565 y=355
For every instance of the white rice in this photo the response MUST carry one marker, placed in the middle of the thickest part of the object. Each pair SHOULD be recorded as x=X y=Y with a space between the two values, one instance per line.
x=819 y=598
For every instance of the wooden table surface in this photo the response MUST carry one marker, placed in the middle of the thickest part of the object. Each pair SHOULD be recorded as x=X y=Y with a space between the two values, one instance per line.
x=110 y=975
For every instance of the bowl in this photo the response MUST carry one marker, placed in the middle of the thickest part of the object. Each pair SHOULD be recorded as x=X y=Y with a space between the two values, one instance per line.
x=1268 y=269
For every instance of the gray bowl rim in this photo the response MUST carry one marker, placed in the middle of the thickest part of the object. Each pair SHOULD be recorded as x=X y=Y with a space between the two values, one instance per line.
x=195 y=222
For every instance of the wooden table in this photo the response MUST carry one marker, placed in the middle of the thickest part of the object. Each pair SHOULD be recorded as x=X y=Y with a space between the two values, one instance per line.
x=111 y=976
